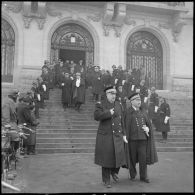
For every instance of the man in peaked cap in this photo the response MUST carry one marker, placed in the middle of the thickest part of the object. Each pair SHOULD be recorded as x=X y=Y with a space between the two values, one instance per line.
x=140 y=139
x=109 y=148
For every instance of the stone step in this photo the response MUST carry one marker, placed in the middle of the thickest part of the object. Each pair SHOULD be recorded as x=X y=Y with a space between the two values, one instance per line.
x=65 y=140
x=71 y=130
x=91 y=150
x=92 y=145
x=93 y=139
x=89 y=135
x=92 y=126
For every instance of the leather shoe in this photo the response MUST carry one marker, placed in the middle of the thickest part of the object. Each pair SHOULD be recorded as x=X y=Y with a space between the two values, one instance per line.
x=115 y=177
x=132 y=178
x=146 y=180
x=108 y=185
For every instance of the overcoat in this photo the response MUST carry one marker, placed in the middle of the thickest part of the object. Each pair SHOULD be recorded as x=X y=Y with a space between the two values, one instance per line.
x=66 y=90
x=151 y=153
x=78 y=92
x=24 y=116
x=97 y=84
x=163 y=111
x=109 y=148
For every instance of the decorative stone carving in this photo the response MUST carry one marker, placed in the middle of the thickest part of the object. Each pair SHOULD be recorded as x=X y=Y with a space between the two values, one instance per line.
x=108 y=12
x=52 y=12
x=117 y=30
x=40 y=22
x=27 y=21
x=15 y=7
x=178 y=23
x=106 y=29
x=119 y=13
x=164 y=25
x=146 y=22
x=129 y=21
x=96 y=17
x=39 y=15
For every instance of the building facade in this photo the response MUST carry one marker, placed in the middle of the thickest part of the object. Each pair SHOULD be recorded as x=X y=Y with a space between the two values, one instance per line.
x=157 y=36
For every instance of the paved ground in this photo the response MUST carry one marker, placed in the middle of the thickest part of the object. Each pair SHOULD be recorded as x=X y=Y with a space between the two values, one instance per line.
x=74 y=173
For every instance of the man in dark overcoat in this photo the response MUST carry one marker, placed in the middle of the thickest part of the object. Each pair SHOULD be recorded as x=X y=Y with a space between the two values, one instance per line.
x=163 y=116
x=78 y=90
x=66 y=85
x=140 y=139
x=97 y=84
x=109 y=148
x=24 y=116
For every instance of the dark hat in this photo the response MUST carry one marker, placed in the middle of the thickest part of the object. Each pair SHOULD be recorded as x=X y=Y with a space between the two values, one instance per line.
x=113 y=66
x=34 y=83
x=110 y=89
x=134 y=96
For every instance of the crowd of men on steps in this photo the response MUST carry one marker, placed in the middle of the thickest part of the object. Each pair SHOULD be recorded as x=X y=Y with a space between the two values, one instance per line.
x=73 y=79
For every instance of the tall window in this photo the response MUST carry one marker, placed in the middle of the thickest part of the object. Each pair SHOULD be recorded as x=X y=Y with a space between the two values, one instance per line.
x=7 y=51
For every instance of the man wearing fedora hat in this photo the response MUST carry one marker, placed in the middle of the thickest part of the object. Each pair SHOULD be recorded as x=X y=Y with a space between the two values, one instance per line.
x=109 y=148
x=140 y=139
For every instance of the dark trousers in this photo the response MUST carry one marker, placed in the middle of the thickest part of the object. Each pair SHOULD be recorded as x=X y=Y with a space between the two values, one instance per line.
x=137 y=150
x=164 y=135
x=106 y=172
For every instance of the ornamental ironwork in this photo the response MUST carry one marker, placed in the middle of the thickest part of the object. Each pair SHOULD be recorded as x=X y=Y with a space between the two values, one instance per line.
x=72 y=36
x=144 y=51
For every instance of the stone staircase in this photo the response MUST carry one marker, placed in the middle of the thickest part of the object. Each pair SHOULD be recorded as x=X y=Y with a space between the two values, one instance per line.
x=72 y=132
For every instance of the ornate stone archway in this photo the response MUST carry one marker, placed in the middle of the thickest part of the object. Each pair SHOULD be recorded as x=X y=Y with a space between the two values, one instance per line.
x=145 y=50
x=72 y=36
x=166 y=48
x=7 y=51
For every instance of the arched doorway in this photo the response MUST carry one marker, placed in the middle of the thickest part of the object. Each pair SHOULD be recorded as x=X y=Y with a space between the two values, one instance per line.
x=7 y=51
x=72 y=42
x=145 y=50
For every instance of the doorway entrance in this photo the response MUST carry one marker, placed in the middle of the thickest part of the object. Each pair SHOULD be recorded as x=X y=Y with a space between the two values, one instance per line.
x=75 y=55
x=72 y=42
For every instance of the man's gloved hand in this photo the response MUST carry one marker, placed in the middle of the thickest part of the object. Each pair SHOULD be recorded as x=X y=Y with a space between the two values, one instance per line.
x=146 y=130
x=125 y=139
x=166 y=119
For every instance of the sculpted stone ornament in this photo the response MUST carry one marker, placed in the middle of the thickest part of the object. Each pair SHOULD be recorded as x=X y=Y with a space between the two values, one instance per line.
x=40 y=22
x=129 y=21
x=15 y=7
x=96 y=17
x=164 y=25
x=106 y=29
x=178 y=23
x=27 y=21
x=52 y=12
x=117 y=30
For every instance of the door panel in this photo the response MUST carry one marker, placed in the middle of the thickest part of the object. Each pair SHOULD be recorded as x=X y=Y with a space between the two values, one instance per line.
x=144 y=49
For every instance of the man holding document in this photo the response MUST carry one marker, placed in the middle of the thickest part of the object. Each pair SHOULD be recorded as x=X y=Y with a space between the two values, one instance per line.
x=140 y=139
